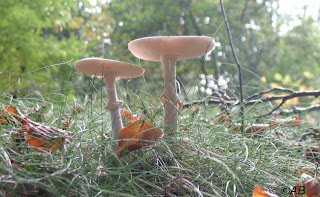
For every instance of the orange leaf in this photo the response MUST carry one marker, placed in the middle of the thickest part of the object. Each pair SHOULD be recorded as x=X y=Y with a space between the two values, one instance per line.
x=136 y=135
x=259 y=192
x=43 y=138
x=288 y=122
x=223 y=118
x=253 y=128
x=195 y=108
x=128 y=117
x=11 y=114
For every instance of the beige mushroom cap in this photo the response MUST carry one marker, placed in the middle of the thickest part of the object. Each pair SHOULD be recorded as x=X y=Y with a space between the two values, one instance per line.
x=103 y=67
x=182 y=47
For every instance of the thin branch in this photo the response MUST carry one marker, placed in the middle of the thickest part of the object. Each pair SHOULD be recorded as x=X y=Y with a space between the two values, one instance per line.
x=273 y=109
x=315 y=134
x=285 y=97
x=269 y=90
x=227 y=101
x=244 y=11
x=194 y=23
x=206 y=101
x=299 y=110
x=237 y=62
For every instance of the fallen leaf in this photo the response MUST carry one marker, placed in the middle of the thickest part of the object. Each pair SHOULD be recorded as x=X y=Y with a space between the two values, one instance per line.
x=308 y=188
x=136 y=135
x=11 y=115
x=302 y=171
x=179 y=186
x=312 y=154
x=127 y=117
x=43 y=138
x=195 y=108
x=223 y=118
x=288 y=122
x=253 y=128
x=259 y=192
x=18 y=138
x=77 y=109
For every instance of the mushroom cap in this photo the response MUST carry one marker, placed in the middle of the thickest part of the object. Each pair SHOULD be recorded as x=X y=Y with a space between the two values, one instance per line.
x=103 y=67
x=182 y=47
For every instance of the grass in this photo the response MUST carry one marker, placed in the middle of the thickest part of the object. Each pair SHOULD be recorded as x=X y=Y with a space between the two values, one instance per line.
x=205 y=160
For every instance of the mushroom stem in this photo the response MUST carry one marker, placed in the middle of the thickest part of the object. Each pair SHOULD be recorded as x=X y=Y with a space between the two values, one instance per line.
x=113 y=104
x=170 y=97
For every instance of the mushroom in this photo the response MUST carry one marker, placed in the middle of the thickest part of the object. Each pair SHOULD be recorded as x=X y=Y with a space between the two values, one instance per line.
x=110 y=70
x=168 y=50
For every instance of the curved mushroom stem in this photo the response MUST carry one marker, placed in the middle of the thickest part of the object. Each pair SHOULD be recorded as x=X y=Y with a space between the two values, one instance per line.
x=170 y=99
x=113 y=104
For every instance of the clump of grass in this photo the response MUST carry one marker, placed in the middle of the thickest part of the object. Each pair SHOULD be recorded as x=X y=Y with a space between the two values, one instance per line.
x=205 y=159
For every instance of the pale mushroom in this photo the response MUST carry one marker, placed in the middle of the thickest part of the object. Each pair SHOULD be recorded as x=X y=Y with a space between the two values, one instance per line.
x=168 y=50
x=110 y=70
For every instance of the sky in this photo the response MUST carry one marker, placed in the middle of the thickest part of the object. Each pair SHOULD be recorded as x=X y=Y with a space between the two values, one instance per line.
x=288 y=7
x=294 y=7
x=291 y=7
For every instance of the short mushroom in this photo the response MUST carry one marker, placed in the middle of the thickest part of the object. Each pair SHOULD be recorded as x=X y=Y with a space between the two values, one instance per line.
x=168 y=50
x=110 y=70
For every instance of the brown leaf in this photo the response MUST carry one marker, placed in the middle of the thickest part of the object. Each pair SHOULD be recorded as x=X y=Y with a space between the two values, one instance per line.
x=136 y=135
x=309 y=188
x=287 y=122
x=77 y=109
x=178 y=186
x=253 y=128
x=312 y=153
x=43 y=138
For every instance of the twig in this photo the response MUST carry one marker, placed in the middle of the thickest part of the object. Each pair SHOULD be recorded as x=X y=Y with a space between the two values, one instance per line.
x=206 y=101
x=237 y=62
x=244 y=11
x=299 y=110
x=315 y=134
x=285 y=97
x=269 y=90
x=273 y=109
x=225 y=100
x=222 y=97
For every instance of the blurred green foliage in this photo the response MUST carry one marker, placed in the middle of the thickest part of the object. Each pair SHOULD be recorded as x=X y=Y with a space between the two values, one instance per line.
x=41 y=39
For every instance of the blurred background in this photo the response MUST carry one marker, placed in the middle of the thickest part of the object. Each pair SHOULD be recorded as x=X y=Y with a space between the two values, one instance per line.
x=277 y=42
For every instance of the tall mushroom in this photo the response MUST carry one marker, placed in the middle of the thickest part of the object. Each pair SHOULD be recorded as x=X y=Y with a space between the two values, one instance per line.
x=110 y=70
x=168 y=50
